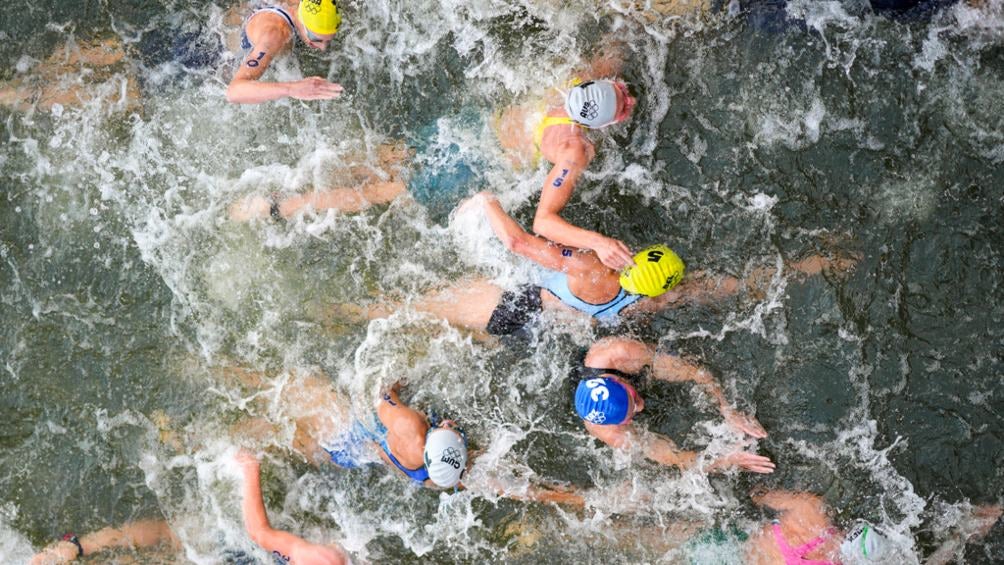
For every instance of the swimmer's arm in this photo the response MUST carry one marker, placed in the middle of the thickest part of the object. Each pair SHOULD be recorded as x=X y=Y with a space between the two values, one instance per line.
x=656 y=447
x=671 y=368
x=801 y=507
x=246 y=88
x=697 y=288
x=623 y=354
x=547 y=221
x=782 y=500
x=140 y=534
x=557 y=494
x=516 y=239
x=255 y=517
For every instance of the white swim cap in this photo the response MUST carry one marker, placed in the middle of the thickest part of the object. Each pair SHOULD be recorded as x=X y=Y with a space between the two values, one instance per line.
x=445 y=457
x=864 y=545
x=593 y=104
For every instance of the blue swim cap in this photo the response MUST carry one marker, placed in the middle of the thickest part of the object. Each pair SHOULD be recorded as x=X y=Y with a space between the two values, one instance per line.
x=602 y=401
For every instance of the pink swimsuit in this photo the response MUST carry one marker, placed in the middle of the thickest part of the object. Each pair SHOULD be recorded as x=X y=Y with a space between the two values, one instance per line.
x=796 y=555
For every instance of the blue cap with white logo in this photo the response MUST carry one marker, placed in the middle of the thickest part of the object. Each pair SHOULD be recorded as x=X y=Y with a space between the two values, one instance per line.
x=602 y=401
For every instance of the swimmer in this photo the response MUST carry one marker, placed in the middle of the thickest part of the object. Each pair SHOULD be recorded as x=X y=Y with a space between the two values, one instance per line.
x=558 y=132
x=803 y=533
x=429 y=452
x=607 y=401
x=575 y=282
x=271 y=31
x=59 y=80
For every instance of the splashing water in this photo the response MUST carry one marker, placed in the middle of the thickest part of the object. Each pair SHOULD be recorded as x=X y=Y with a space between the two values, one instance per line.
x=124 y=289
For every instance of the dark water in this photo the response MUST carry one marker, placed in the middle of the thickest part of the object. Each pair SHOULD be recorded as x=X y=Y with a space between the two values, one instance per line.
x=123 y=290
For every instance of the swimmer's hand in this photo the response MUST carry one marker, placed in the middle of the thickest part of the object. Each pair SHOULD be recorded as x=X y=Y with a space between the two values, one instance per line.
x=743 y=460
x=248 y=462
x=476 y=202
x=614 y=253
x=314 y=88
x=746 y=424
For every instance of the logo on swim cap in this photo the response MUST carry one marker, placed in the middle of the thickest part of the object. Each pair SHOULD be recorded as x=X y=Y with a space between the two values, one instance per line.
x=864 y=545
x=593 y=104
x=445 y=457
x=602 y=401
x=319 y=16
x=656 y=270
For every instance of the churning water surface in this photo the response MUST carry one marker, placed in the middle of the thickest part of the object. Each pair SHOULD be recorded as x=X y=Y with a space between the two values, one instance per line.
x=124 y=290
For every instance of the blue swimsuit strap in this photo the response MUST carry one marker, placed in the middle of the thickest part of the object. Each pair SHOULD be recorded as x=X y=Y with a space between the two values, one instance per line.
x=420 y=475
x=612 y=307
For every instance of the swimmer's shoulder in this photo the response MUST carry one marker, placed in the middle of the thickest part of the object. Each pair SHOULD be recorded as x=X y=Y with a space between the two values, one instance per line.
x=267 y=25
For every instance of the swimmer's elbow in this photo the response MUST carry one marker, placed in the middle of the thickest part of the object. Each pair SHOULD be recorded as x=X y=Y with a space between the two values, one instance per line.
x=519 y=243
x=237 y=92
x=232 y=94
x=543 y=225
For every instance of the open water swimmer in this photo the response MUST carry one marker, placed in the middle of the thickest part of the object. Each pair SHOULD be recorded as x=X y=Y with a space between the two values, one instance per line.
x=271 y=31
x=607 y=400
x=427 y=450
x=575 y=281
x=557 y=131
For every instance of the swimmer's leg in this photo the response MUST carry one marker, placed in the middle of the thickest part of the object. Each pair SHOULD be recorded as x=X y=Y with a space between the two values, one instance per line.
x=346 y=200
x=307 y=399
x=343 y=199
x=468 y=305
x=673 y=8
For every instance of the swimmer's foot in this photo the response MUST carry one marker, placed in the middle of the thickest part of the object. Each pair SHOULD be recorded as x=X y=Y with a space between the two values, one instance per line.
x=251 y=208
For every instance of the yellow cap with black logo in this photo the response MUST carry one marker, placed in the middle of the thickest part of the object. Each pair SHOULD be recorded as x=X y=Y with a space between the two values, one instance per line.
x=319 y=16
x=657 y=269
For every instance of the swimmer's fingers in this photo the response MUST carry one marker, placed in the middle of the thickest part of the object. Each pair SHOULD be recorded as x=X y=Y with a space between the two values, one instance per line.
x=614 y=254
x=475 y=202
x=755 y=463
x=245 y=457
x=746 y=424
x=314 y=88
x=746 y=461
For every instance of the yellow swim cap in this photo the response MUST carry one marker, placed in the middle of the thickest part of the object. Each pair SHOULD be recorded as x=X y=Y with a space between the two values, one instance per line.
x=319 y=16
x=657 y=269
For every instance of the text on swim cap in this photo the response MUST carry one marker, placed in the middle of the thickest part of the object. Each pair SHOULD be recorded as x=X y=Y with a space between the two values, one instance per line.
x=599 y=390
x=655 y=255
x=451 y=457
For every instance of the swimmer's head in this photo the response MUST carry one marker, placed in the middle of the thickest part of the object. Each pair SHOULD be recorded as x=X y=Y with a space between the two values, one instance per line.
x=445 y=455
x=864 y=544
x=657 y=269
x=599 y=103
x=320 y=19
x=606 y=400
